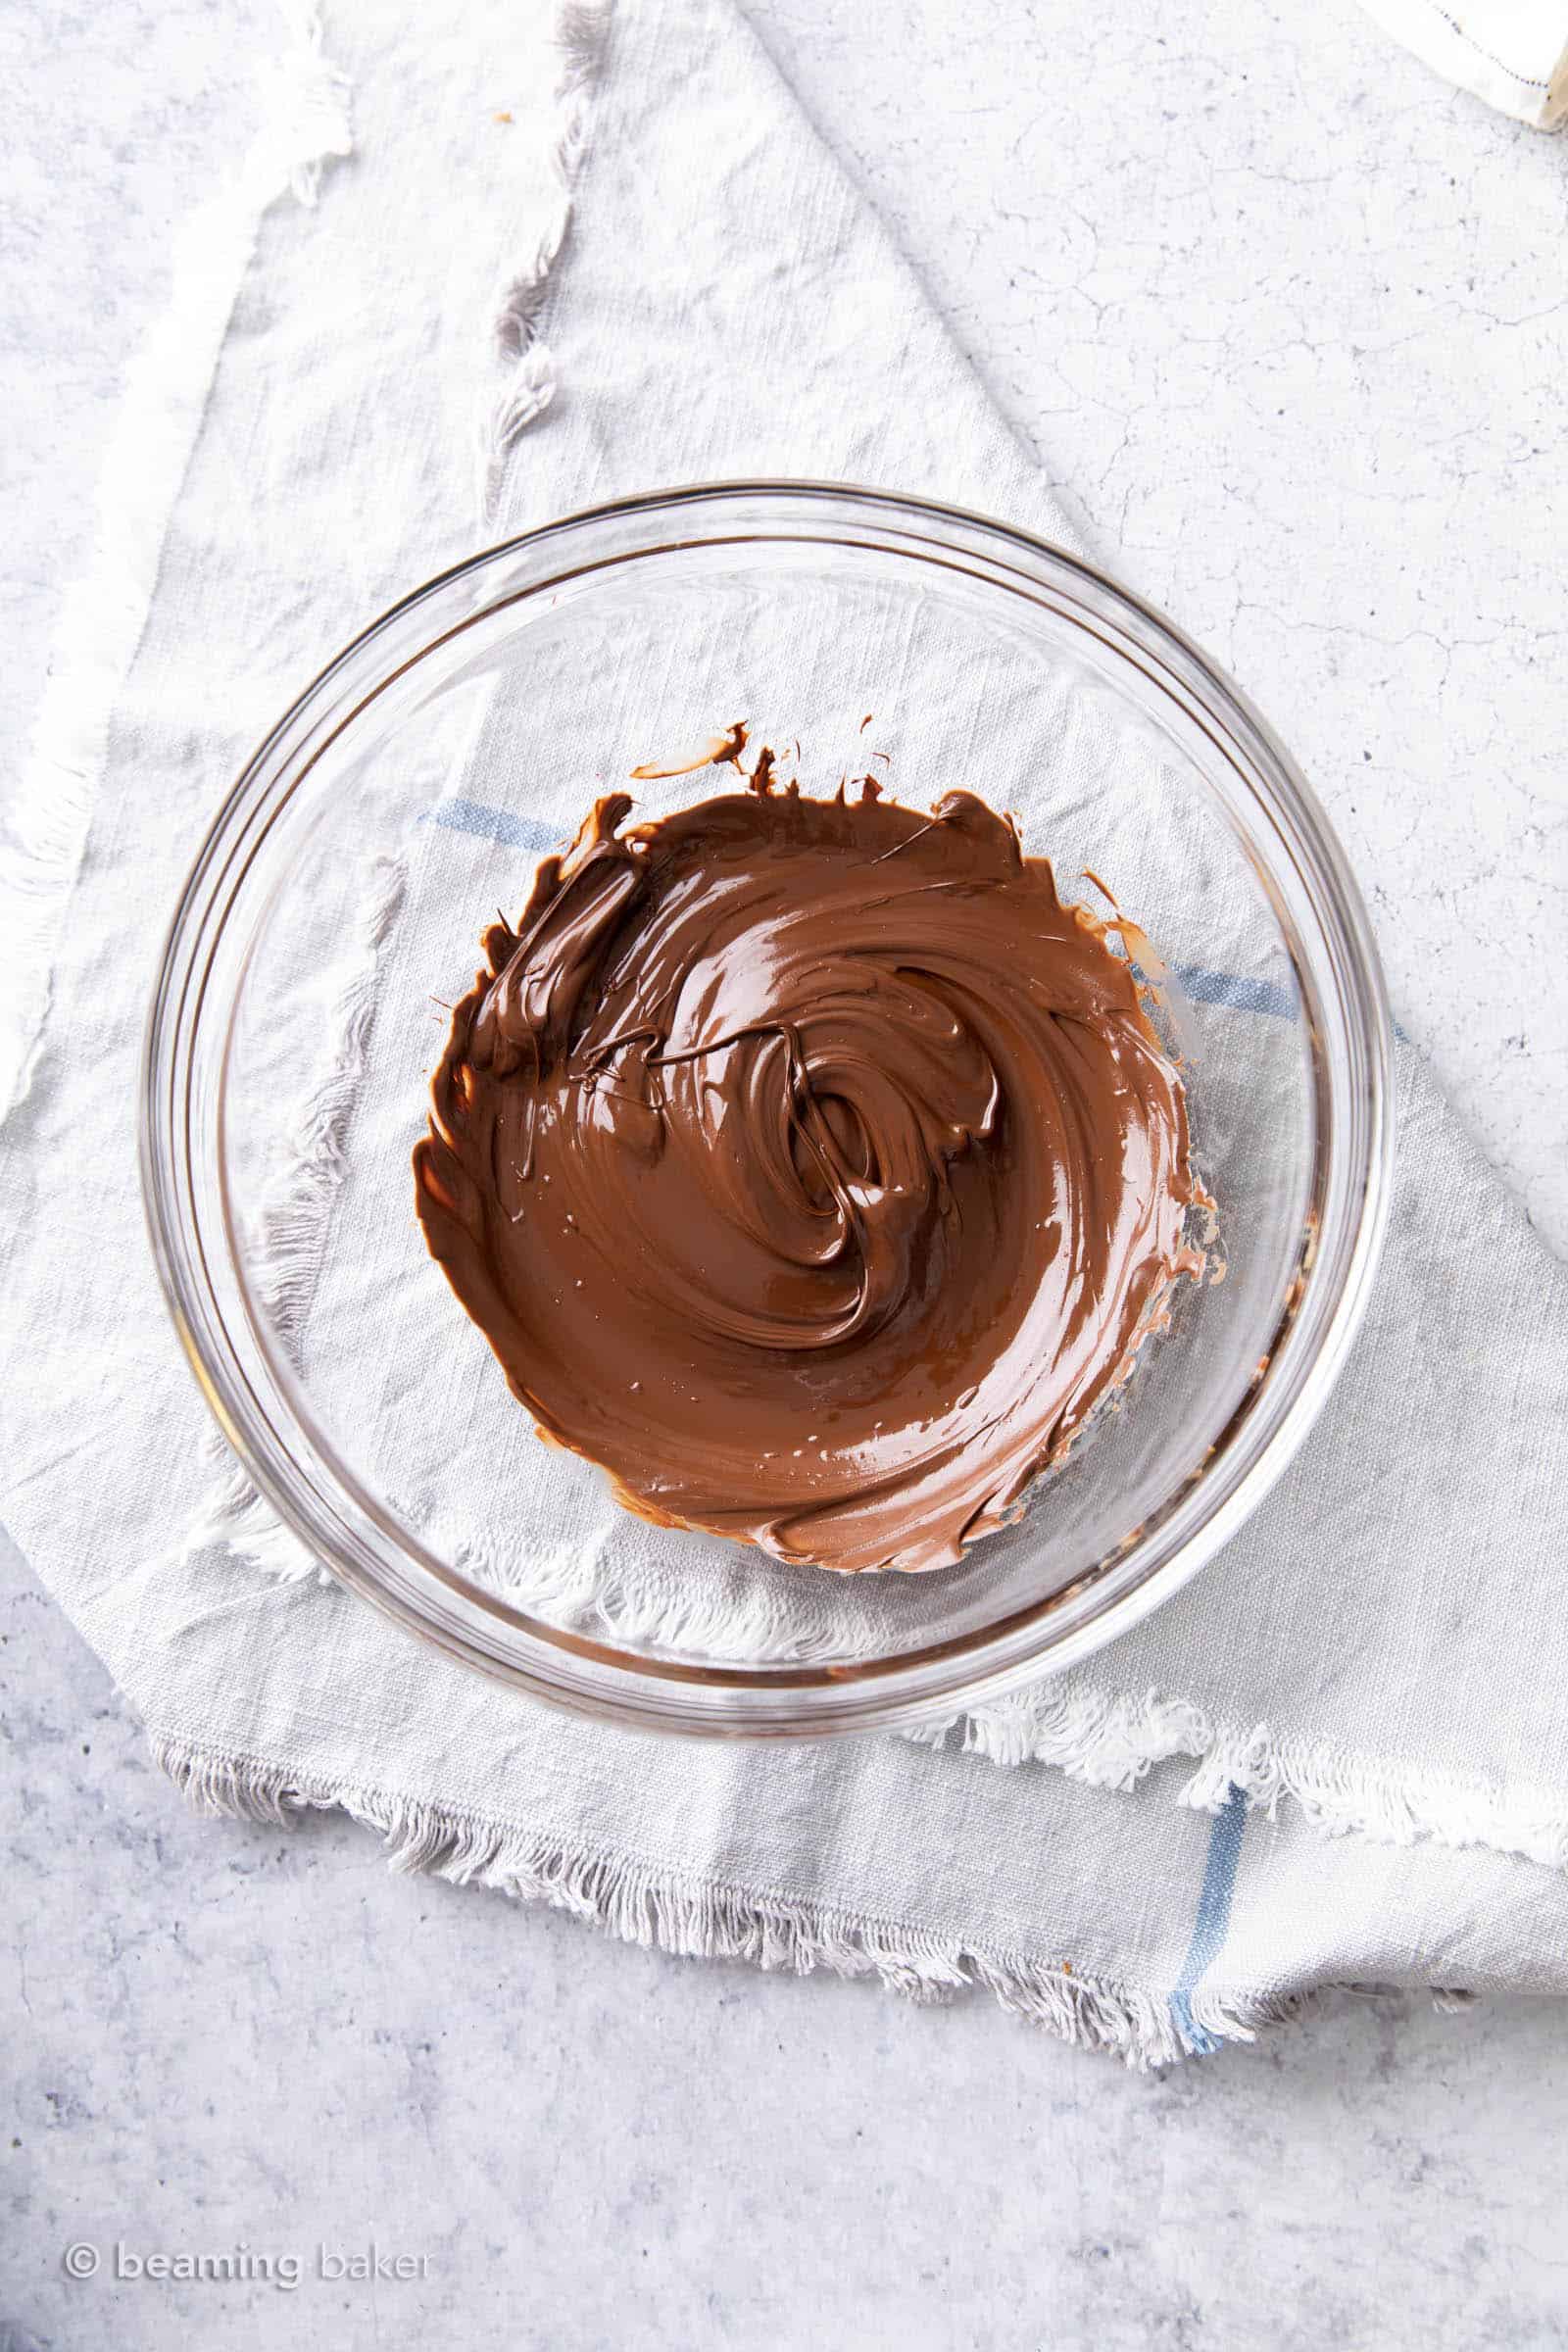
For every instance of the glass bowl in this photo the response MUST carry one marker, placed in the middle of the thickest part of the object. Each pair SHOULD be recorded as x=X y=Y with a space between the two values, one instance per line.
x=334 y=912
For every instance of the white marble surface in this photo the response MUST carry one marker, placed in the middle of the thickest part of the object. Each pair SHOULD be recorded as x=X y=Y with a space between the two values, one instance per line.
x=1287 y=320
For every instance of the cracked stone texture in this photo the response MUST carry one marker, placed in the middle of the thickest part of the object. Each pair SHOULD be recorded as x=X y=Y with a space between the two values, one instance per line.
x=1285 y=318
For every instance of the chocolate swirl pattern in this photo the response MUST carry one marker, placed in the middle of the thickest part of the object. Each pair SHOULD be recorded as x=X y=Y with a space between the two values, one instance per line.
x=810 y=1166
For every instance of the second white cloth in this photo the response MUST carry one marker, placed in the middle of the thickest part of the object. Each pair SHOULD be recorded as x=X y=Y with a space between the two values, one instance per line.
x=1512 y=53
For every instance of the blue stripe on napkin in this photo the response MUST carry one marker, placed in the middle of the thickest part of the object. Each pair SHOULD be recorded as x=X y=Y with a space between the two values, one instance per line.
x=1212 y=1920
x=496 y=824
x=1232 y=988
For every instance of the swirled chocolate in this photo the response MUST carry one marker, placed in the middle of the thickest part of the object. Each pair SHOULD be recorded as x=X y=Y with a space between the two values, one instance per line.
x=810 y=1166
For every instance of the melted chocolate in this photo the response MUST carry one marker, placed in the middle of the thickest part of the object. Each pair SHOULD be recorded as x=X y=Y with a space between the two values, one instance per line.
x=810 y=1166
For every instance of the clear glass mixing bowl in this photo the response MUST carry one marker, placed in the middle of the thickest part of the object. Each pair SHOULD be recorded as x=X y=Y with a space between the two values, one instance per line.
x=408 y=794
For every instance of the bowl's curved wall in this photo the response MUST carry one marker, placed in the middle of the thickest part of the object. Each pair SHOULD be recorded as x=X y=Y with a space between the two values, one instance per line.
x=411 y=790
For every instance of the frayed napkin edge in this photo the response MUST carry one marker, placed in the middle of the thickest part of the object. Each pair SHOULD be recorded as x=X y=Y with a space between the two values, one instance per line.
x=1113 y=1741
x=689 y=1917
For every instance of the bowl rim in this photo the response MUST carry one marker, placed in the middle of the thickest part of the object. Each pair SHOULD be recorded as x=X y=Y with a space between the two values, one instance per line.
x=1298 y=1368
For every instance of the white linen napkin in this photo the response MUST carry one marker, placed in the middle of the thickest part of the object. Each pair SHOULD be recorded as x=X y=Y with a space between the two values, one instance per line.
x=1381 y=1652
x=1512 y=53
